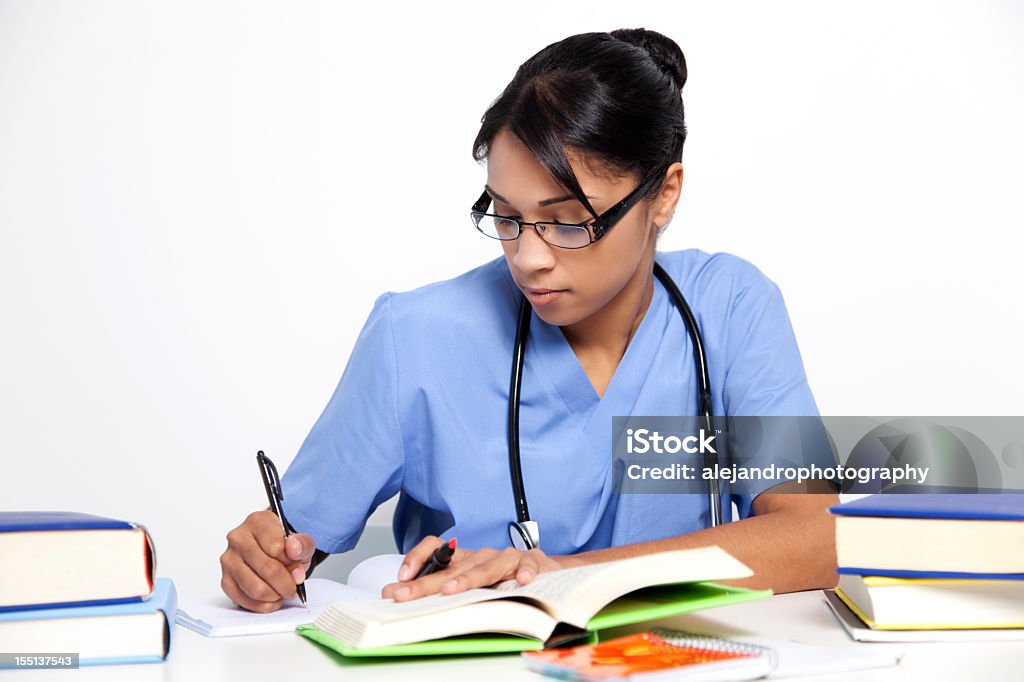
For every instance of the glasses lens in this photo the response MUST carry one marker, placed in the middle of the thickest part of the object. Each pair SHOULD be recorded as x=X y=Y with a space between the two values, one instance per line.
x=495 y=227
x=565 y=236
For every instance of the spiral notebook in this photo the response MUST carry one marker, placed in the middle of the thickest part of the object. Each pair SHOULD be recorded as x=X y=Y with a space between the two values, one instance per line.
x=679 y=655
x=655 y=655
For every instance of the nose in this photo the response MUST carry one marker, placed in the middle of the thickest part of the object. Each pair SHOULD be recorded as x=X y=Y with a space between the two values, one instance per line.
x=532 y=252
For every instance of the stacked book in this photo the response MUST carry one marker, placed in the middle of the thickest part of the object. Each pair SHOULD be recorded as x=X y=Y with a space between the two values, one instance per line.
x=929 y=563
x=76 y=584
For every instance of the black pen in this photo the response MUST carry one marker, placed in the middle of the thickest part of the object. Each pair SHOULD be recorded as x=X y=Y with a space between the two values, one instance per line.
x=272 y=482
x=439 y=560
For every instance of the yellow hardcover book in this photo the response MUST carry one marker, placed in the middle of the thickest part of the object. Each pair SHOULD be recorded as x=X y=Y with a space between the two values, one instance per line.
x=886 y=603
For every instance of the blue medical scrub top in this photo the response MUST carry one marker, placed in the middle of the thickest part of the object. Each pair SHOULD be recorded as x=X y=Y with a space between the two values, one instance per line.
x=421 y=410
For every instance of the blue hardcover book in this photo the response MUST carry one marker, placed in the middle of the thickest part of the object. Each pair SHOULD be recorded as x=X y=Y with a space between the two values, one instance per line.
x=14 y=521
x=992 y=507
x=54 y=559
x=952 y=536
x=138 y=632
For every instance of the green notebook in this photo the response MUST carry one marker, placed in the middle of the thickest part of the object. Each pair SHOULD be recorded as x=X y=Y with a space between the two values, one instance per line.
x=567 y=606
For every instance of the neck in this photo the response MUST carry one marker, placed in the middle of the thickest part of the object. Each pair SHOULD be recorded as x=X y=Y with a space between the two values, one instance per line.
x=608 y=331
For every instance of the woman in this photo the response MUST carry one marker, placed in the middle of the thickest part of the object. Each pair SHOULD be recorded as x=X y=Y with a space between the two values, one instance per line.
x=583 y=152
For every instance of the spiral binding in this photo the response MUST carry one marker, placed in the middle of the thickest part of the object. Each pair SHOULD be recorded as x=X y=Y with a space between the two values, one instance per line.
x=712 y=643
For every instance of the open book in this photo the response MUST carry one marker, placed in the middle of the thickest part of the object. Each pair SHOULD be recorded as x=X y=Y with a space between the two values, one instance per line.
x=556 y=607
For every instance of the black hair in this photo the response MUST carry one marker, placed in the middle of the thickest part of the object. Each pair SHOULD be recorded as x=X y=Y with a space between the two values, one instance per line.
x=614 y=98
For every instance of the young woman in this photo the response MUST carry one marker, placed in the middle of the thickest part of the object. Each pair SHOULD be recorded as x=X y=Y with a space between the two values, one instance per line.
x=583 y=152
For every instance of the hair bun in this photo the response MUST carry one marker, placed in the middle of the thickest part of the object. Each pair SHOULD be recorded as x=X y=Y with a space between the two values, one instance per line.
x=662 y=49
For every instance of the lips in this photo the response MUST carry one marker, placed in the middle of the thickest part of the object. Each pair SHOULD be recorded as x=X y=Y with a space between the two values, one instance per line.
x=539 y=297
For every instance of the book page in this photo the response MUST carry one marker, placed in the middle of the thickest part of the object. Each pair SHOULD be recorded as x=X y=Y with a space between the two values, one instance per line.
x=574 y=595
x=219 y=617
x=371 y=575
x=356 y=624
x=552 y=587
x=388 y=610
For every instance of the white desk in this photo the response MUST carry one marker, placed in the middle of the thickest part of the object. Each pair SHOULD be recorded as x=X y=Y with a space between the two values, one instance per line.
x=802 y=617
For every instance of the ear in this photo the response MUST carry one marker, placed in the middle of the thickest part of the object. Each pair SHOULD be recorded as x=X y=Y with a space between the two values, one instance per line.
x=664 y=204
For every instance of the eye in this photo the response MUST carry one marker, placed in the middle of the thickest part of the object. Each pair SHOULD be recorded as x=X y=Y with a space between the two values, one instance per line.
x=568 y=236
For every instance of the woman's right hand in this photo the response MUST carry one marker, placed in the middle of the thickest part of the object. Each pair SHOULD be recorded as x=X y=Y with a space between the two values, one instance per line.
x=260 y=568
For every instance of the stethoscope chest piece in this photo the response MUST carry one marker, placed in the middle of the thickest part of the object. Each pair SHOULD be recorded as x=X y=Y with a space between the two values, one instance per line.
x=524 y=535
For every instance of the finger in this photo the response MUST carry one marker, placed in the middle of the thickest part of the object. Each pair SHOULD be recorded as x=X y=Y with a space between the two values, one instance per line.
x=258 y=587
x=501 y=567
x=235 y=594
x=245 y=587
x=459 y=558
x=297 y=571
x=388 y=591
x=419 y=587
x=432 y=583
x=266 y=529
x=528 y=568
x=429 y=584
x=267 y=568
x=417 y=556
x=300 y=547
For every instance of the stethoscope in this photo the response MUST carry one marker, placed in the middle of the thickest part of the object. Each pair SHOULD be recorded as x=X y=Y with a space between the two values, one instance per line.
x=524 y=531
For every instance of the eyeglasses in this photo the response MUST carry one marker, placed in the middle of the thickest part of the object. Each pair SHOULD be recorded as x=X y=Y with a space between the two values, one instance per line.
x=562 y=235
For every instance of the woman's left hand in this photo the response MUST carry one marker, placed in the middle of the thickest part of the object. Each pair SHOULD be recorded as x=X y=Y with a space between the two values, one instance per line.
x=468 y=569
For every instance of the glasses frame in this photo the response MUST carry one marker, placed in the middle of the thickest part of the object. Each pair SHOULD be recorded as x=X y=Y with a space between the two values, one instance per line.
x=596 y=229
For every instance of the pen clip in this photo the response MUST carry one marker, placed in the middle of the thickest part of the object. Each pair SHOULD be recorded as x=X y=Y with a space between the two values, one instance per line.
x=270 y=478
x=272 y=483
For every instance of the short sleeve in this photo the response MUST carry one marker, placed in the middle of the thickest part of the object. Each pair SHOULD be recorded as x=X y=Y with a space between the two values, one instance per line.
x=765 y=378
x=353 y=458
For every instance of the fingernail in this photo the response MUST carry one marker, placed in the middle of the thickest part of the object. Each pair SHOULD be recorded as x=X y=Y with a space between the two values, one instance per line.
x=525 y=575
x=450 y=585
x=299 y=575
x=402 y=591
x=403 y=572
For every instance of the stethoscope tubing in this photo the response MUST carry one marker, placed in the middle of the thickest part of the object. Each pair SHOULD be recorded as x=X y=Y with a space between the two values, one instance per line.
x=515 y=465
x=515 y=394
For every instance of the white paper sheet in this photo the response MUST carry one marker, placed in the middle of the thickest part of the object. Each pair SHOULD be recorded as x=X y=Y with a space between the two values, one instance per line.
x=218 y=617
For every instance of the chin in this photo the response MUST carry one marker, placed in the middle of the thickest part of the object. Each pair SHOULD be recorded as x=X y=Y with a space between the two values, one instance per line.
x=557 y=316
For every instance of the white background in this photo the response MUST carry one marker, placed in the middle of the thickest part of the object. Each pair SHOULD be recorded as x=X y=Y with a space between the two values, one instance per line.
x=199 y=202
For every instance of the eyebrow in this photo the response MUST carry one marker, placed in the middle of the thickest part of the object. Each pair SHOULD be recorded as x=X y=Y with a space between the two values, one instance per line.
x=542 y=202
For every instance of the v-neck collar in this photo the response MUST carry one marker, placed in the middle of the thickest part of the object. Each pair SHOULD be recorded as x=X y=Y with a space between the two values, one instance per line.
x=549 y=348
